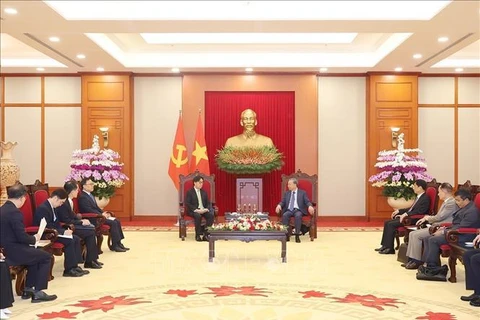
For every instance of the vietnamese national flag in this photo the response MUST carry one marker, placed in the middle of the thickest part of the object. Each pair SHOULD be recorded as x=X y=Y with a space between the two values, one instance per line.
x=179 y=158
x=199 y=158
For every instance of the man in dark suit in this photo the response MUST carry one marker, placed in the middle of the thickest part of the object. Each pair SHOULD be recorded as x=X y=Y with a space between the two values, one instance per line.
x=87 y=204
x=83 y=228
x=468 y=216
x=420 y=206
x=295 y=203
x=198 y=207
x=471 y=260
x=16 y=243
x=72 y=248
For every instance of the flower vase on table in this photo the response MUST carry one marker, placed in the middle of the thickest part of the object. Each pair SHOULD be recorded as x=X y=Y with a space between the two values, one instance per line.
x=102 y=202
x=399 y=203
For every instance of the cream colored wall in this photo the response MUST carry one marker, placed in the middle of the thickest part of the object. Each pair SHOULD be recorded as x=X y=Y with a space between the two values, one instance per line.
x=469 y=90
x=158 y=101
x=469 y=145
x=435 y=90
x=436 y=137
x=341 y=145
x=63 y=90
x=23 y=90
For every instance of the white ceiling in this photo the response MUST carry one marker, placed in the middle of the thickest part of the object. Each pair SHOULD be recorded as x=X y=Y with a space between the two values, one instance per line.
x=228 y=36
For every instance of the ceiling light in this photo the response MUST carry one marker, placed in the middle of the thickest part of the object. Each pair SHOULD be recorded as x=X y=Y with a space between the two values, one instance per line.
x=10 y=11
x=459 y=69
x=100 y=69
x=323 y=69
x=443 y=39
x=417 y=56
x=248 y=69
x=80 y=56
x=54 y=39
x=247 y=38
x=40 y=69
x=175 y=70
x=398 y=69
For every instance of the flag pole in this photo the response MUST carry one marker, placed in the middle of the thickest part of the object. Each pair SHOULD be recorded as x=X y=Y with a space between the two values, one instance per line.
x=178 y=217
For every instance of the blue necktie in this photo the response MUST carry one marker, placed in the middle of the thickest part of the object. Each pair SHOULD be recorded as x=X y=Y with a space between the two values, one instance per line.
x=292 y=202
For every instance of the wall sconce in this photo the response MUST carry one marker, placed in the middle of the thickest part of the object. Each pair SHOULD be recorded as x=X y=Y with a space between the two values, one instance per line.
x=104 y=131
x=395 y=131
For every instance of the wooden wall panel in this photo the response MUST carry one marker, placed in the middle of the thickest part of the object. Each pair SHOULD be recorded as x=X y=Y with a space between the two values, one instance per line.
x=392 y=102
x=107 y=101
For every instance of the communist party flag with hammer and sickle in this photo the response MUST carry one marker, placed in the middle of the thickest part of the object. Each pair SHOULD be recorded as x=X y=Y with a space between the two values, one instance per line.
x=178 y=158
x=199 y=160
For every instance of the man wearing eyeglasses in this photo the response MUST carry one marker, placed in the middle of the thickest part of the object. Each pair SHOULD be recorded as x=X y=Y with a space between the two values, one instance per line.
x=72 y=249
x=199 y=207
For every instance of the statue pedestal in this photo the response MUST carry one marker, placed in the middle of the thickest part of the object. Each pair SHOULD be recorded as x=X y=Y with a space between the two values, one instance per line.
x=250 y=194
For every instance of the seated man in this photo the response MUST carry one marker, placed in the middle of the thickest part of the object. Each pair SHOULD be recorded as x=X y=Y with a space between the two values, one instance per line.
x=16 y=244
x=468 y=216
x=87 y=204
x=471 y=260
x=420 y=206
x=83 y=228
x=295 y=203
x=445 y=214
x=198 y=207
x=72 y=248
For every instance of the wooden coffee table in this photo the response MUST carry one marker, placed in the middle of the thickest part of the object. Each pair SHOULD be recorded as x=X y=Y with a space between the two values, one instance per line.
x=246 y=236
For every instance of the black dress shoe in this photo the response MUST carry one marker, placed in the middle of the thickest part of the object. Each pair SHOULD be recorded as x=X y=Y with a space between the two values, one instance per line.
x=98 y=262
x=72 y=273
x=380 y=249
x=387 y=251
x=92 y=265
x=413 y=265
x=123 y=247
x=471 y=297
x=79 y=269
x=198 y=238
x=206 y=238
x=40 y=296
x=297 y=238
x=475 y=303
x=403 y=264
x=118 y=249
x=27 y=293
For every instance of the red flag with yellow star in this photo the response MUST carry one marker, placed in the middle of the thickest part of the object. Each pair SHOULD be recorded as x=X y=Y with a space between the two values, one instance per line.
x=199 y=158
x=178 y=158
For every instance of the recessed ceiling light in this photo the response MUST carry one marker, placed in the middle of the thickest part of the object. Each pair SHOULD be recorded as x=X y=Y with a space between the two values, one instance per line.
x=40 y=69
x=80 y=56
x=323 y=69
x=10 y=11
x=175 y=70
x=398 y=69
x=417 y=56
x=100 y=69
x=248 y=69
x=443 y=39
x=459 y=69
x=54 y=39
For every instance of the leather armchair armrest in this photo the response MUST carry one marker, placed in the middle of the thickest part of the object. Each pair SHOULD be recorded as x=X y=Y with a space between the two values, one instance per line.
x=408 y=221
x=50 y=234
x=452 y=235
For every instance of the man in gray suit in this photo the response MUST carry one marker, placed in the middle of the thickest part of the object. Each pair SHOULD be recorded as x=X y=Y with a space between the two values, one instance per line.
x=295 y=203
x=444 y=214
x=468 y=216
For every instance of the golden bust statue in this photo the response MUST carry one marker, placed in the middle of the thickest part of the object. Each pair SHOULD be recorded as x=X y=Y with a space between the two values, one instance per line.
x=249 y=138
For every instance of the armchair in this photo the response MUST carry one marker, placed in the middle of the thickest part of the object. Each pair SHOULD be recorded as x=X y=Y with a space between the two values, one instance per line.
x=186 y=183
x=308 y=183
x=101 y=229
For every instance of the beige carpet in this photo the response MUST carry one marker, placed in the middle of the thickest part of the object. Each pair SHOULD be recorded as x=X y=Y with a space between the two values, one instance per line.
x=338 y=276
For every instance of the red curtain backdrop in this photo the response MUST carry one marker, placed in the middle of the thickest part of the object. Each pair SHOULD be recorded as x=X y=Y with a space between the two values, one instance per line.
x=276 y=119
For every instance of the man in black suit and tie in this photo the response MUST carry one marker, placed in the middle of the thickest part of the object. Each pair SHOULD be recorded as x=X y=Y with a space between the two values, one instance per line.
x=72 y=248
x=87 y=204
x=295 y=203
x=83 y=228
x=16 y=243
x=198 y=207
x=420 y=206
x=471 y=260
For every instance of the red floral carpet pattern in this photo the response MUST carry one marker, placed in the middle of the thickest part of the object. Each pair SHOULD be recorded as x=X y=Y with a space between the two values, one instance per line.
x=271 y=301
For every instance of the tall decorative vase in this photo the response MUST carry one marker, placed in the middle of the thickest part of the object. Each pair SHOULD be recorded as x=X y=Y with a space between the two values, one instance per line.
x=399 y=203
x=102 y=203
x=9 y=170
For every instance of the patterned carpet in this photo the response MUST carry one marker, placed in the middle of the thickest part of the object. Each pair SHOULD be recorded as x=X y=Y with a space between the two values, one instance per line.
x=338 y=276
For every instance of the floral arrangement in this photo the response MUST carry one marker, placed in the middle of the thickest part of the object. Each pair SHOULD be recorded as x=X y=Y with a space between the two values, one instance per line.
x=249 y=160
x=398 y=172
x=249 y=223
x=100 y=166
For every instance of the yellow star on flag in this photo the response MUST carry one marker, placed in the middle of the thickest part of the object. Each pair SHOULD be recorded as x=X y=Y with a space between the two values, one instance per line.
x=199 y=153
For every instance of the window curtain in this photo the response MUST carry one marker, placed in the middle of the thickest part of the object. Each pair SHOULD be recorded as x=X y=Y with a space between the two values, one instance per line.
x=276 y=119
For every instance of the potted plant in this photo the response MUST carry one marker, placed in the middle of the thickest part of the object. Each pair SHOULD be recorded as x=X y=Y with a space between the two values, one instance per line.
x=249 y=160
